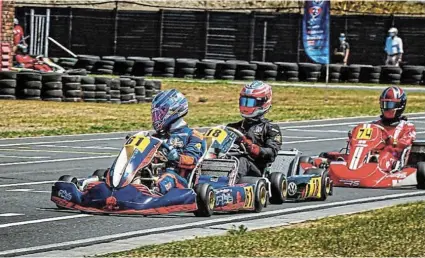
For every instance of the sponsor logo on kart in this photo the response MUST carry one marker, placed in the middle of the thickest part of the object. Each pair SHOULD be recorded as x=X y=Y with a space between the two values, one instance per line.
x=225 y=190
x=214 y=179
x=65 y=195
x=176 y=142
x=292 y=189
x=223 y=199
x=398 y=175
x=350 y=182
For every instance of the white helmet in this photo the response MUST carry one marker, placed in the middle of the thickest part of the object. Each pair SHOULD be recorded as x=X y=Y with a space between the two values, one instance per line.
x=15 y=21
x=393 y=30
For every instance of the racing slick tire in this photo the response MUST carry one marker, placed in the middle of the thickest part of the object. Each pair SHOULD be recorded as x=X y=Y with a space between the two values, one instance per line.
x=306 y=159
x=100 y=173
x=205 y=200
x=327 y=187
x=278 y=187
x=261 y=196
x=420 y=175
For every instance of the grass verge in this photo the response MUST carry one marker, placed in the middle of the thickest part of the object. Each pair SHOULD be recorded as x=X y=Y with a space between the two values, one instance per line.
x=389 y=232
x=210 y=103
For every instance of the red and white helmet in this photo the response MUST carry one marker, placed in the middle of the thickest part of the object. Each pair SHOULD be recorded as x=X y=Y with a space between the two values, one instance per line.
x=255 y=99
x=393 y=102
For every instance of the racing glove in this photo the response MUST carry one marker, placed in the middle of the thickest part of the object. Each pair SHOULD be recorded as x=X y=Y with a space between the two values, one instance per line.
x=173 y=155
x=252 y=148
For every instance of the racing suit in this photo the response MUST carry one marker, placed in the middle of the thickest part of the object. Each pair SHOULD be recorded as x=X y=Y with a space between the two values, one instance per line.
x=269 y=139
x=191 y=146
x=401 y=135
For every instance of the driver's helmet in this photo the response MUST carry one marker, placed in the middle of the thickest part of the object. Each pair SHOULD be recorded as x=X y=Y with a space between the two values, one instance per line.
x=22 y=48
x=255 y=99
x=15 y=21
x=393 y=32
x=167 y=107
x=393 y=102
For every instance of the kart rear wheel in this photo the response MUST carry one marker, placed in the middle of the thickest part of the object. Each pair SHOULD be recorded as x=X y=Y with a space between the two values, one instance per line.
x=260 y=196
x=100 y=173
x=278 y=187
x=420 y=175
x=69 y=179
x=306 y=159
x=327 y=187
x=205 y=199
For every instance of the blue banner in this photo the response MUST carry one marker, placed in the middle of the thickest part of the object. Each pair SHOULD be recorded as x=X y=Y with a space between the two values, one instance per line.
x=316 y=30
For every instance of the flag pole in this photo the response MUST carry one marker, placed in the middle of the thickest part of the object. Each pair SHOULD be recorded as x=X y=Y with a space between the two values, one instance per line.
x=327 y=82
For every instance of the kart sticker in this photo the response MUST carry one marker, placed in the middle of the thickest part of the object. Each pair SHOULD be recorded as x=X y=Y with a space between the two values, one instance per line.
x=217 y=133
x=249 y=197
x=65 y=195
x=138 y=141
x=364 y=134
x=315 y=185
x=223 y=199
x=292 y=189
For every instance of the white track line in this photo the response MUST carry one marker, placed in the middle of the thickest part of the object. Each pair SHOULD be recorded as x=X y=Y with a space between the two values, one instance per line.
x=80 y=147
x=67 y=141
x=54 y=160
x=10 y=214
x=23 y=157
x=29 y=183
x=21 y=223
x=316 y=131
x=317 y=140
x=28 y=190
x=235 y=218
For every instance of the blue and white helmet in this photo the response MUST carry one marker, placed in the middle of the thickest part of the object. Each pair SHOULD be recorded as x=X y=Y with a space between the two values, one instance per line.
x=167 y=107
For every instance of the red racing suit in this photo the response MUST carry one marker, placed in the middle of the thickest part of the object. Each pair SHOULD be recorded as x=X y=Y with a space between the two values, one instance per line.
x=18 y=34
x=401 y=135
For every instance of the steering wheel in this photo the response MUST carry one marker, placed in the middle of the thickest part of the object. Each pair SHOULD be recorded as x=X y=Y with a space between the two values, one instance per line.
x=240 y=136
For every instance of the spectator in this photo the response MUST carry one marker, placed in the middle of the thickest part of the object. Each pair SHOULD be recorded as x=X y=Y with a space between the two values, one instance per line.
x=343 y=51
x=393 y=48
x=18 y=35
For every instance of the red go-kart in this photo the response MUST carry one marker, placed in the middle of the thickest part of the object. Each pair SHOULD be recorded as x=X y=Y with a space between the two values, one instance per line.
x=358 y=165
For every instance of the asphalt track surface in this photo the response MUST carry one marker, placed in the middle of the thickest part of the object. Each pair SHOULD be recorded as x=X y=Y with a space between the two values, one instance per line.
x=29 y=166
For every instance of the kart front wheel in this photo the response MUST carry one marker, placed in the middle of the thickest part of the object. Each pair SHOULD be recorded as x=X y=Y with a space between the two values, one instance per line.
x=327 y=187
x=420 y=175
x=100 y=173
x=278 y=187
x=205 y=199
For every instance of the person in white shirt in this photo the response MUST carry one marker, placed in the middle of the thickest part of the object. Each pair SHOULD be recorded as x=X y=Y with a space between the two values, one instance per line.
x=393 y=48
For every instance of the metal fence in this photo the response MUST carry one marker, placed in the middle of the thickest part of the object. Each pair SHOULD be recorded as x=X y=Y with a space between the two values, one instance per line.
x=252 y=36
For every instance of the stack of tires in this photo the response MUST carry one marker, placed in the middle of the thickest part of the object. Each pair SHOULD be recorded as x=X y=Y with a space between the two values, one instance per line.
x=309 y=72
x=28 y=86
x=127 y=91
x=51 y=89
x=102 y=85
x=103 y=67
x=156 y=87
x=142 y=66
x=139 y=89
x=123 y=67
x=185 y=68
x=334 y=73
x=164 y=67
x=7 y=85
x=86 y=62
x=390 y=74
x=149 y=90
x=287 y=72
x=67 y=63
x=266 y=71
x=115 y=92
x=354 y=73
x=72 y=88
x=370 y=74
x=245 y=71
x=206 y=69
x=88 y=88
x=412 y=74
x=225 y=71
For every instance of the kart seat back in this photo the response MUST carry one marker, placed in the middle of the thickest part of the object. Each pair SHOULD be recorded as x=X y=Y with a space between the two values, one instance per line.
x=220 y=167
x=286 y=162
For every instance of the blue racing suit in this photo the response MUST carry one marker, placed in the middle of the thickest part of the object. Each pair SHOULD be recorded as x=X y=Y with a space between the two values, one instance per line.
x=190 y=145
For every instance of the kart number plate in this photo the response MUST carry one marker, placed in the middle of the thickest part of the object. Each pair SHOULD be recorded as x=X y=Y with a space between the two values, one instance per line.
x=217 y=133
x=140 y=142
x=364 y=134
x=315 y=186
x=249 y=197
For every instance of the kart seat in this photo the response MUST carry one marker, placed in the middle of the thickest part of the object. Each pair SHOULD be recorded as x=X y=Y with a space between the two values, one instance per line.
x=220 y=167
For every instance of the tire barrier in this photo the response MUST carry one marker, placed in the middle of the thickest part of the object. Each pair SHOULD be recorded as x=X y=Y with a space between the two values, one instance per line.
x=266 y=71
x=164 y=67
x=52 y=87
x=8 y=85
x=225 y=71
x=245 y=71
x=309 y=72
x=412 y=74
x=390 y=74
x=185 y=68
x=102 y=89
x=287 y=71
x=206 y=69
x=28 y=86
x=127 y=91
x=370 y=74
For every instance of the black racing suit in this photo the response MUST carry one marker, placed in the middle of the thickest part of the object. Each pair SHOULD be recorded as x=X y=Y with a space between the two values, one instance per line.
x=266 y=135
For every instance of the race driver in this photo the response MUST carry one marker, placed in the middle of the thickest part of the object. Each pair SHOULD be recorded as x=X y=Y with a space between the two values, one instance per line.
x=401 y=133
x=187 y=145
x=262 y=139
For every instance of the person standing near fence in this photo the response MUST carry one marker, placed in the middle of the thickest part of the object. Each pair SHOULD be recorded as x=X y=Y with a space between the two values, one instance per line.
x=18 y=35
x=342 y=53
x=393 y=48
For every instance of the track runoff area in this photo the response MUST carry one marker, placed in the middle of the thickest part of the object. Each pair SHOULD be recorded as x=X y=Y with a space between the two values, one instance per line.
x=30 y=222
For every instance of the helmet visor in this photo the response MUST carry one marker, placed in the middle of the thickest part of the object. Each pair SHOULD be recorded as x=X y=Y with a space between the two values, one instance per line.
x=387 y=105
x=247 y=102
